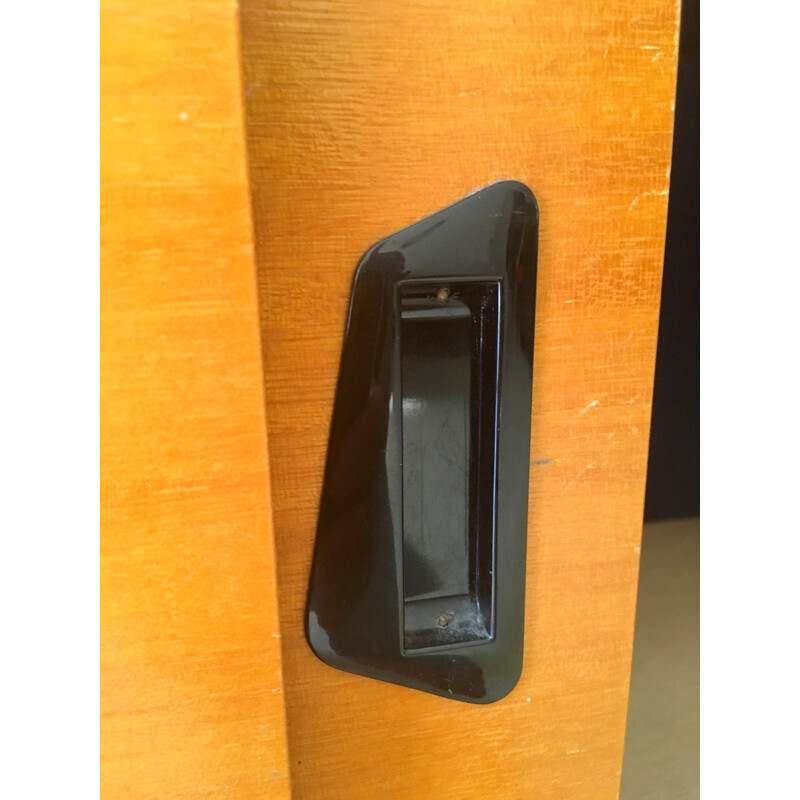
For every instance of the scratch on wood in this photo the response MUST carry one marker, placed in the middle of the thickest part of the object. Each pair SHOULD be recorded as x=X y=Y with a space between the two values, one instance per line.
x=584 y=410
x=654 y=193
x=569 y=485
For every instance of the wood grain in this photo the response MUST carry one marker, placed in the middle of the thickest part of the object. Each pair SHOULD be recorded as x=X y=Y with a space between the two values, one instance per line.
x=191 y=695
x=362 y=118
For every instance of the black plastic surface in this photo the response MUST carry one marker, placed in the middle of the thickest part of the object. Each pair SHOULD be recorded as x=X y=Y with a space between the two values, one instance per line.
x=419 y=565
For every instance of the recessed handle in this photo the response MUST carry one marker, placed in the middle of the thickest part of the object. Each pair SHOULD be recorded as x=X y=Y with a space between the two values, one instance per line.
x=449 y=369
x=419 y=566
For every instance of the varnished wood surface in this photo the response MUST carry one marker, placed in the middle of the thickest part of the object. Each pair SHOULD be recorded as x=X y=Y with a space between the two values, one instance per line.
x=362 y=118
x=192 y=703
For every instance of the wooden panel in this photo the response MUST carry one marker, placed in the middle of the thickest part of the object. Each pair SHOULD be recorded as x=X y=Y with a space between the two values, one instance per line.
x=362 y=118
x=192 y=700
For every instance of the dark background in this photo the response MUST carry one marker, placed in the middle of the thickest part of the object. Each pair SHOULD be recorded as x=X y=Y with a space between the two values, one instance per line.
x=673 y=474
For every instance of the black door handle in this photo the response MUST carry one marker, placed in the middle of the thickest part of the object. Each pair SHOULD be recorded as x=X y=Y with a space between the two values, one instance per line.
x=419 y=566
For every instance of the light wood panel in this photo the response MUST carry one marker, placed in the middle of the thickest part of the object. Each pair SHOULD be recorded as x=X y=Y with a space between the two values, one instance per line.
x=192 y=702
x=363 y=117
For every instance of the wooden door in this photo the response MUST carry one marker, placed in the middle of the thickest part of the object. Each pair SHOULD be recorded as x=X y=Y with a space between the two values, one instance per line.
x=363 y=117
x=360 y=118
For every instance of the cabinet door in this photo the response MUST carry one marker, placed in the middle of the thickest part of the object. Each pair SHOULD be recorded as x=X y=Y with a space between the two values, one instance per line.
x=363 y=117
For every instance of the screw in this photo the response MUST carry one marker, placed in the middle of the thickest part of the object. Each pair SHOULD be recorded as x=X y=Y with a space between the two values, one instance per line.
x=444 y=620
x=443 y=294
